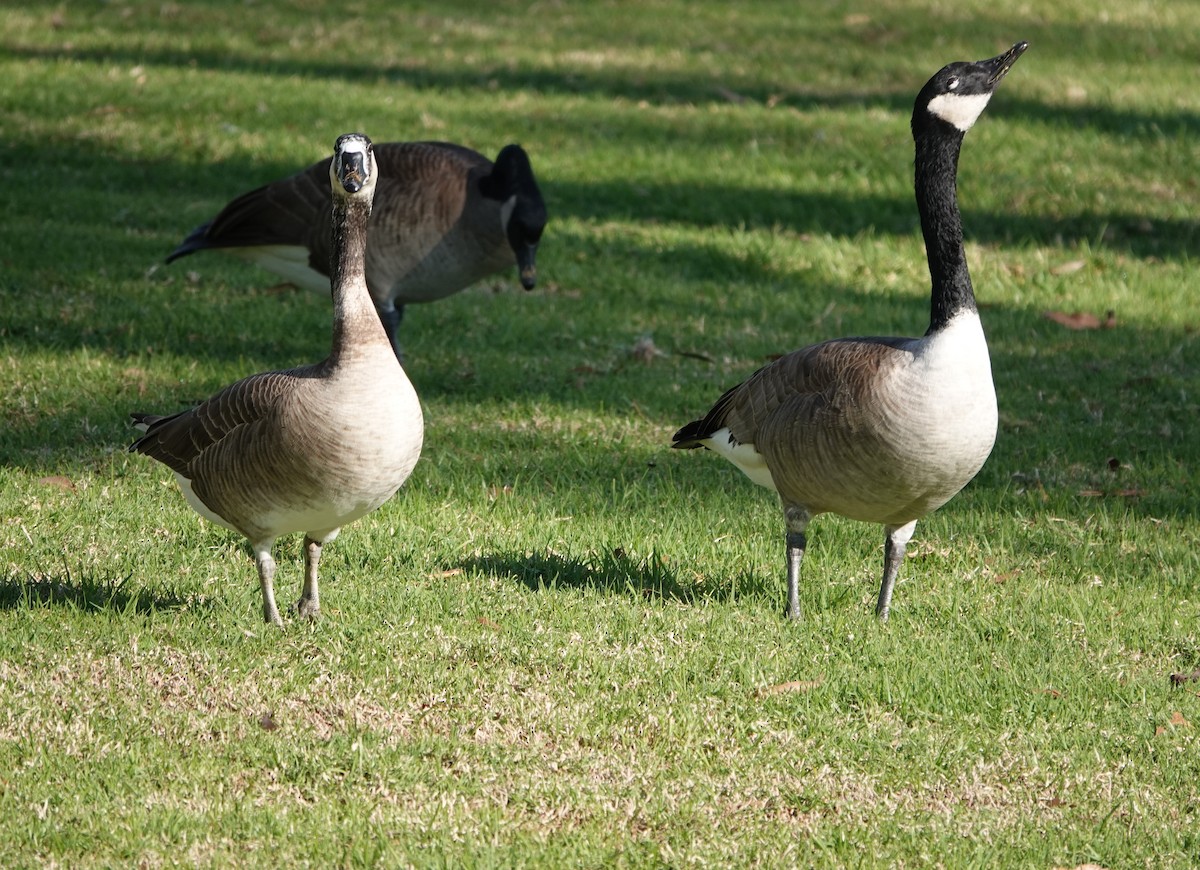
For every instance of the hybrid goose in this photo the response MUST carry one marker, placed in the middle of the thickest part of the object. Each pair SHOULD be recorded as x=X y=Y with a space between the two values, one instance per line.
x=312 y=448
x=883 y=430
x=445 y=217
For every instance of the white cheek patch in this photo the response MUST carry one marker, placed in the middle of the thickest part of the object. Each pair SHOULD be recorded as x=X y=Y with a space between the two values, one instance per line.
x=506 y=210
x=961 y=110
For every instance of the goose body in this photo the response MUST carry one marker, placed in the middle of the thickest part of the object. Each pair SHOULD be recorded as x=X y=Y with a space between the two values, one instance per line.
x=880 y=429
x=444 y=218
x=308 y=449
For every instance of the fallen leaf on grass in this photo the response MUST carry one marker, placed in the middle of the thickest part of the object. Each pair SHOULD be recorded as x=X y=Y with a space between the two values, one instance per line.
x=487 y=623
x=692 y=354
x=645 y=350
x=730 y=95
x=1177 y=720
x=791 y=686
x=1052 y=692
x=1081 y=319
x=267 y=721
x=1068 y=267
x=59 y=481
x=1120 y=493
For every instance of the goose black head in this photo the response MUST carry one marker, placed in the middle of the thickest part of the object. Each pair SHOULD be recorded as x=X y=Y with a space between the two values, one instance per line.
x=959 y=92
x=353 y=166
x=522 y=210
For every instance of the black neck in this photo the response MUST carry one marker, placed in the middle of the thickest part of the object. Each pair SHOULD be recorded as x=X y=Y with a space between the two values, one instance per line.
x=937 y=152
x=353 y=311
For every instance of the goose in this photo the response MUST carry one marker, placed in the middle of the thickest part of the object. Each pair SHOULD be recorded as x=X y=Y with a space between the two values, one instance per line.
x=880 y=430
x=445 y=217
x=312 y=448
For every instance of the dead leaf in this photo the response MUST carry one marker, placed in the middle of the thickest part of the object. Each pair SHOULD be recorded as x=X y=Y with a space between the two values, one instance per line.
x=1052 y=692
x=487 y=623
x=451 y=572
x=645 y=350
x=730 y=95
x=1133 y=492
x=267 y=721
x=59 y=481
x=1068 y=267
x=1179 y=721
x=1082 y=319
x=791 y=686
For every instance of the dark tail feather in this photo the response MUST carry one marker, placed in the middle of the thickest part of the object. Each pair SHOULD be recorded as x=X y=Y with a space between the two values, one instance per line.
x=690 y=436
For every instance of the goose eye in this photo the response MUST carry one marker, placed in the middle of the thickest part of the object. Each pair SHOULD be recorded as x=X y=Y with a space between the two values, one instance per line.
x=952 y=84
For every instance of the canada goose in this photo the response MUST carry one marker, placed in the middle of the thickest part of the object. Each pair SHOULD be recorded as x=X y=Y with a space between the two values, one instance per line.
x=445 y=217
x=882 y=430
x=312 y=448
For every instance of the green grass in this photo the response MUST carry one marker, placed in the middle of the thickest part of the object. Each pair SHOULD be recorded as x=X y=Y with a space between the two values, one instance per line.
x=562 y=644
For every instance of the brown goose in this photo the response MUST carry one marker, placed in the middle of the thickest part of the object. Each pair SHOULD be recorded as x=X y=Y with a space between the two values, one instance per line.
x=445 y=217
x=883 y=430
x=312 y=448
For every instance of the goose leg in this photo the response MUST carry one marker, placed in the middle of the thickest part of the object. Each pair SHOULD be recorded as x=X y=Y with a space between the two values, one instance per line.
x=391 y=317
x=893 y=555
x=797 y=521
x=309 y=604
x=266 y=579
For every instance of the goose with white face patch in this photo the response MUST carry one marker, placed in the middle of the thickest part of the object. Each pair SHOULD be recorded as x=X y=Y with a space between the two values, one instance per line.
x=883 y=430
x=445 y=217
x=313 y=448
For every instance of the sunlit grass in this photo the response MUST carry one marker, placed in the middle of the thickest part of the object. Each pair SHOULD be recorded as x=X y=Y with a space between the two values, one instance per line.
x=562 y=644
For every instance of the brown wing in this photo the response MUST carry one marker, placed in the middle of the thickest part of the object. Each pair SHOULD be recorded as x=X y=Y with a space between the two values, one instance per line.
x=182 y=440
x=821 y=379
x=297 y=210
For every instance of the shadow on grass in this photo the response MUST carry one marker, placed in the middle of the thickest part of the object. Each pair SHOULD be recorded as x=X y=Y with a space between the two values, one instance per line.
x=87 y=595
x=612 y=571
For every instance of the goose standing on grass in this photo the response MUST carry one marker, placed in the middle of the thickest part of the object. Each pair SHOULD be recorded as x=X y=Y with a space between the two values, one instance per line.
x=883 y=430
x=313 y=448
x=445 y=217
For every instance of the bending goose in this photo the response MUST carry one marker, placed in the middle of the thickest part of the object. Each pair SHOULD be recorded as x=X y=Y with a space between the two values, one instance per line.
x=445 y=217
x=883 y=430
x=312 y=448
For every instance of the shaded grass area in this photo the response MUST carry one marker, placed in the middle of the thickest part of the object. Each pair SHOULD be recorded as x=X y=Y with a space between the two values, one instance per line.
x=562 y=644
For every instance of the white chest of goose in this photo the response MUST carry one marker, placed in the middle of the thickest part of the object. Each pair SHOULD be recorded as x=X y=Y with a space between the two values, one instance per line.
x=883 y=430
x=313 y=448
x=444 y=218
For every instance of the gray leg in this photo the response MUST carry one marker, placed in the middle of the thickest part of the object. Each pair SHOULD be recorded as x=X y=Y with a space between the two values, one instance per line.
x=309 y=604
x=797 y=521
x=391 y=317
x=893 y=556
x=266 y=579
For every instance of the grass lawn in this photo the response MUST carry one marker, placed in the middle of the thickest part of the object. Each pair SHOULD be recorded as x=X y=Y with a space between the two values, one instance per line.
x=563 y=643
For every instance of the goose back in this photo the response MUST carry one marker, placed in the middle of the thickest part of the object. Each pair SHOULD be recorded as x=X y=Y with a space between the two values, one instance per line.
x=432 y=231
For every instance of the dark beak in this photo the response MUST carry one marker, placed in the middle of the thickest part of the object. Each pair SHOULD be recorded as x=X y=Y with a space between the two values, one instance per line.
x=1003 y=63
x=527 y=265
x=351 y=173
